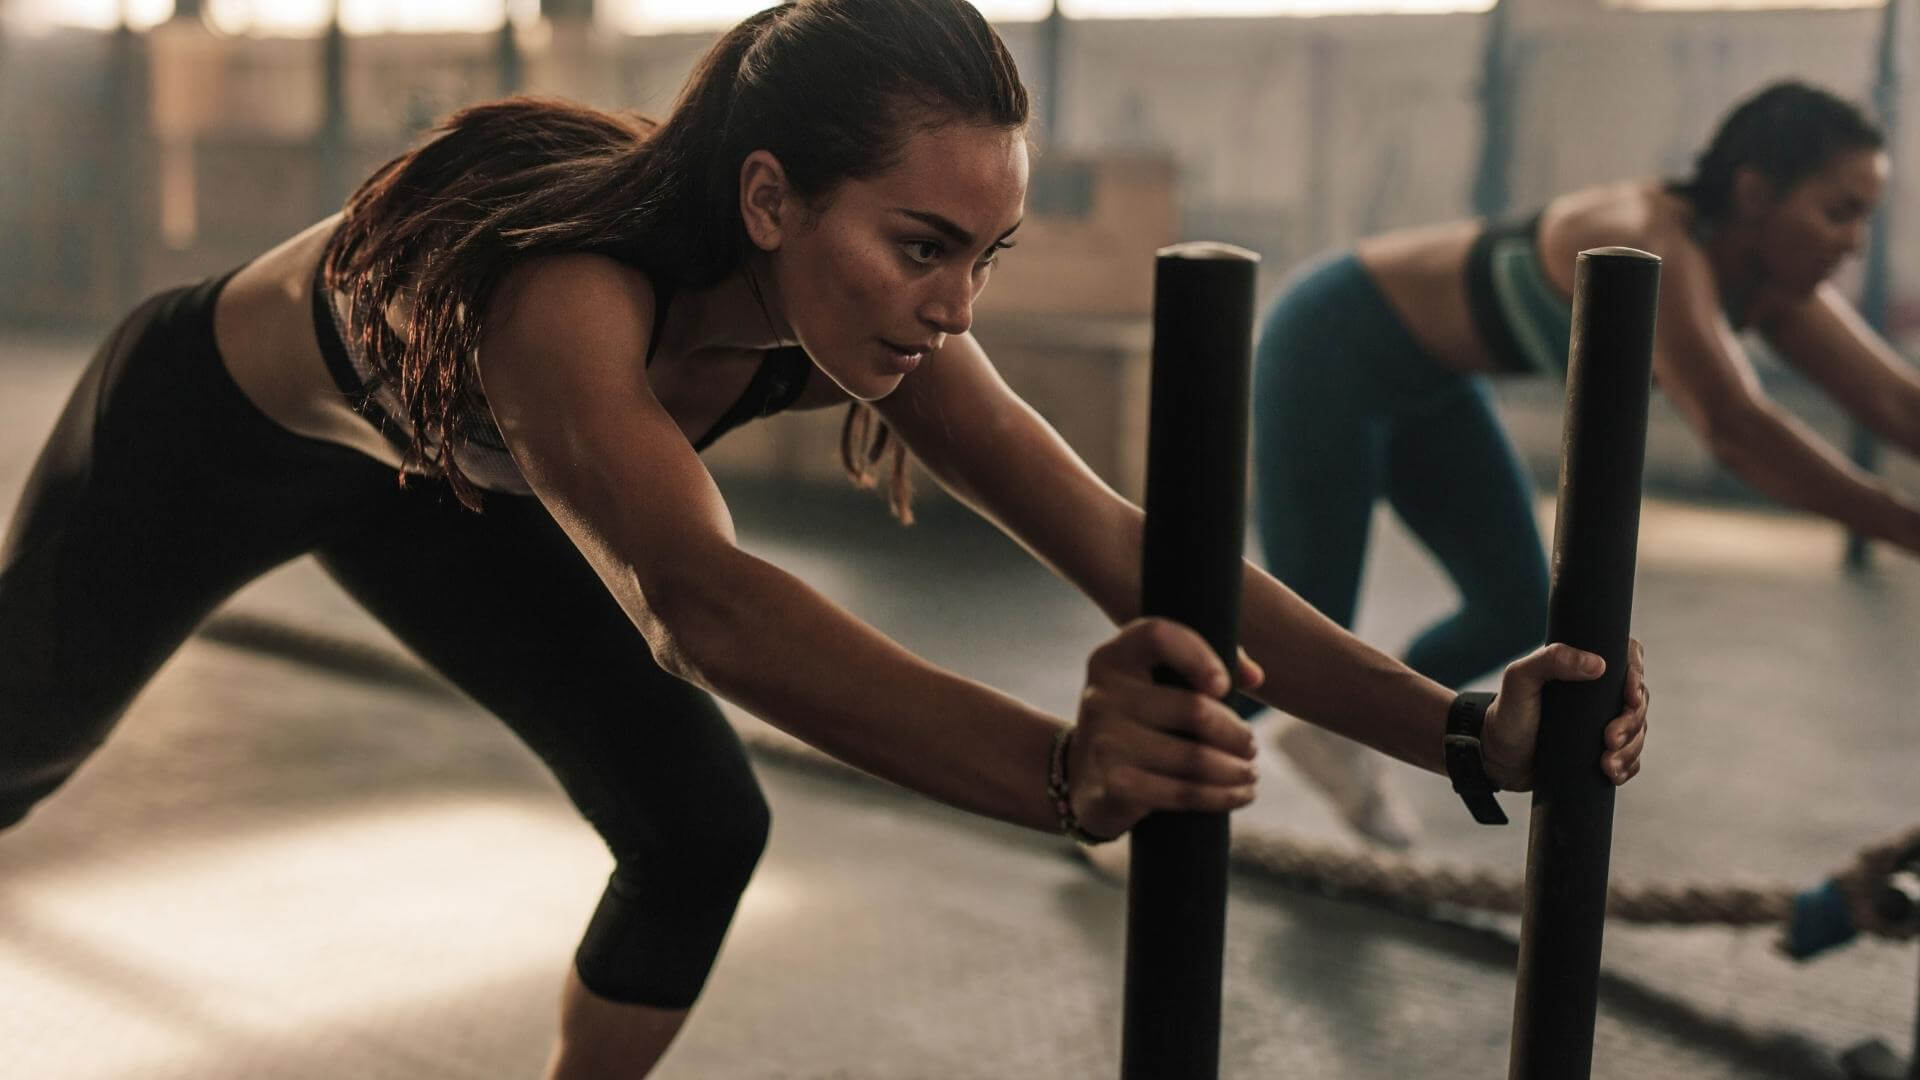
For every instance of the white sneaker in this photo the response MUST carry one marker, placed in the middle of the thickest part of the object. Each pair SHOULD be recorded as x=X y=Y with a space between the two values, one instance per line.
x=1350 y=777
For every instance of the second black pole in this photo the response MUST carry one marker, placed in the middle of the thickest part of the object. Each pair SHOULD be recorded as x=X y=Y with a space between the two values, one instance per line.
x=1590 y=605
x=1196 y=516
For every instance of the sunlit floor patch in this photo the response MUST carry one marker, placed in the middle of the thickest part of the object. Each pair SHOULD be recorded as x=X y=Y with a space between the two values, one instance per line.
x=187 y=951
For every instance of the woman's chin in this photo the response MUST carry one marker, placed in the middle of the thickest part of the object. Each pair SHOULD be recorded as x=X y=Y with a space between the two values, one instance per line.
x=1809 y=283
x=867 y=386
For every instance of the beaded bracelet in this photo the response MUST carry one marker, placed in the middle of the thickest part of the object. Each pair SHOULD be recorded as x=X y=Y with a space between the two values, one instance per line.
x=1062 y=799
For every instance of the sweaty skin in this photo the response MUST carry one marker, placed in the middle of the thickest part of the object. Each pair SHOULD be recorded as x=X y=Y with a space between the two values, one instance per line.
x=264 y=328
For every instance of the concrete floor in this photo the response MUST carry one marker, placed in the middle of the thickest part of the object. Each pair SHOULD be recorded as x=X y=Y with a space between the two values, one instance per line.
x=273 y=871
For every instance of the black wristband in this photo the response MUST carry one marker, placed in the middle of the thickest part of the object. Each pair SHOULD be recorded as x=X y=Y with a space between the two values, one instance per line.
x=1465 y=717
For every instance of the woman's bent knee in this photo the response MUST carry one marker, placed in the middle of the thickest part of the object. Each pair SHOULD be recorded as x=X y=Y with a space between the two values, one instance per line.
x=38 y=752
x=658 y=929
x=24 y=783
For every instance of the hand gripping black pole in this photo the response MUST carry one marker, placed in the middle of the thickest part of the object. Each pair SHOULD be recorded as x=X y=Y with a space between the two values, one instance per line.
x=1196 y=517
x=1590 y=604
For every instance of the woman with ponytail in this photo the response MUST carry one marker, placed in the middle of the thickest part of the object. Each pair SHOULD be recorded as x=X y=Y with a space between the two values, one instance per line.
x=477 y=396
x=1372 y=367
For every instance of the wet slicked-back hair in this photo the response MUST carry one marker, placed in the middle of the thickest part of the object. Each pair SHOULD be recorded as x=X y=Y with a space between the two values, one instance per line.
x=832 y=88
x=1787 y=132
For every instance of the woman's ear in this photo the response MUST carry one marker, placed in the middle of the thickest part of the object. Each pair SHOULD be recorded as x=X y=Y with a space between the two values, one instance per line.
x=766 y=203
x=1752 y=193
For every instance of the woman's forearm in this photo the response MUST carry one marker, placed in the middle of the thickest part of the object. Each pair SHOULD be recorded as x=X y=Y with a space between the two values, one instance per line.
x=1316 y=670
x=1895 y=419
x=775 y=647
x=1784 y=460
x=1319 y=672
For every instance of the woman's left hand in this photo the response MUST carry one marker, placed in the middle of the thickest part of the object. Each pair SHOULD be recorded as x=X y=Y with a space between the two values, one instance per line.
x=1513 y=720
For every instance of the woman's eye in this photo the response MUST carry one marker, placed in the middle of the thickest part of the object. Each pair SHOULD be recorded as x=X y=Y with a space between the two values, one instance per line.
x=922 y=251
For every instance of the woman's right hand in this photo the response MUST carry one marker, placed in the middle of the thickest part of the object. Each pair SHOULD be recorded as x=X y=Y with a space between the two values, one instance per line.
x=1141 y=747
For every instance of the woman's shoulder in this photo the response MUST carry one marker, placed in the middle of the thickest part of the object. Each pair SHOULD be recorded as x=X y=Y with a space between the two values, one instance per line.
x=1641 y=214
x=1633 y=213
x=575 y=297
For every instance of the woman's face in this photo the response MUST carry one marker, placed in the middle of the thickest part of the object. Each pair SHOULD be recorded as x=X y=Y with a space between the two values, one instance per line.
x=877 y=278
x=1817 y=224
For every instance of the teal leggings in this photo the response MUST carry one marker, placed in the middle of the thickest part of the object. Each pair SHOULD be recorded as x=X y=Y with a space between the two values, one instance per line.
x=1348 y=408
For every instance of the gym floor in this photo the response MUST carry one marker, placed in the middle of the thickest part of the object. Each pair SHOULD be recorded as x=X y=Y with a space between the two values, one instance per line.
x=274 y=871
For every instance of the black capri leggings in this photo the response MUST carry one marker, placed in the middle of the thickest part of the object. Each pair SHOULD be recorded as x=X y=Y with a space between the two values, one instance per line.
x=163 y=490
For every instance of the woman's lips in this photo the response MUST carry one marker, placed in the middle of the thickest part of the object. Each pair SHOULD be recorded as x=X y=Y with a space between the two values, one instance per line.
x=904 y=357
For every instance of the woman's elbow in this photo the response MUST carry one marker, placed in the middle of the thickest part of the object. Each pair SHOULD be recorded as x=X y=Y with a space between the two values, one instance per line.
x=686 y=628
x=1731 y=433
x=1903 y=429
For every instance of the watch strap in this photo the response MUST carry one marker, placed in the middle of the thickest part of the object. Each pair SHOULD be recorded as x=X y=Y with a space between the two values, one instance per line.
x=1466 y=765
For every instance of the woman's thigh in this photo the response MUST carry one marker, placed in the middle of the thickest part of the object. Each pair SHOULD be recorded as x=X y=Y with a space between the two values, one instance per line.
x=1454 y=477
x=159 y=492
x=502 y=604
x=1331 y=364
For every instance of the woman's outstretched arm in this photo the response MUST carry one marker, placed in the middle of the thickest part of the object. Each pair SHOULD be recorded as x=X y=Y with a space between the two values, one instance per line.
x=994 y=452
x=560 y=360
x=1826 y=338
x=1703 y=370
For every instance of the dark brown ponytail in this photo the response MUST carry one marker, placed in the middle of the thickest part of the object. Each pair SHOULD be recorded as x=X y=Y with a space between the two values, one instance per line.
x=830 y=87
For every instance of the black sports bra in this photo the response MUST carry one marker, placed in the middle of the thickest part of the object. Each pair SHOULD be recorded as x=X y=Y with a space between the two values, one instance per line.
x=484 y=458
